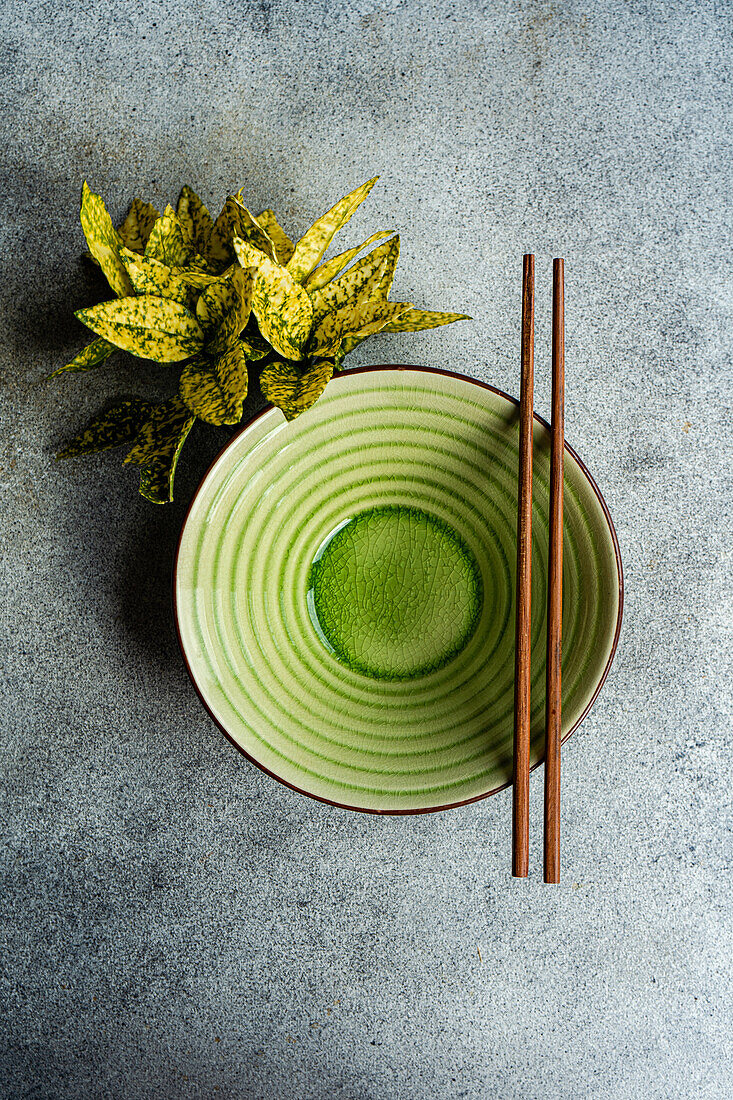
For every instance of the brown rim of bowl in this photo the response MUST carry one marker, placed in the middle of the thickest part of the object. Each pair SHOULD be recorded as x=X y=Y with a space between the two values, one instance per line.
x=448 y=805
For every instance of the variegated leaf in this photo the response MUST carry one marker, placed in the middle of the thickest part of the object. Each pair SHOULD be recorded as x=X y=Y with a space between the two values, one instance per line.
x=312 y=245
x=292 y=390
x=415 y=320
x=103 y=241
x=332 y=328
x=326 y=335
x=386 y=278
x=389 y=312
x=282 y=307
x=89 y=357
x=222 y=295
x=226 y=227
x=199 y=265
x=150 y=276
x=119 y=424
x=214 y=388
x=148 y=326
x=169 y=242
x=284 y=247
x=242 y=223
x=224 y=308
x=194 y=277
x=250 y=230
x=195 y=219
x=253 y=344
x=157 y=447
x=347 y=296
x=135 y=229
x=328 y=271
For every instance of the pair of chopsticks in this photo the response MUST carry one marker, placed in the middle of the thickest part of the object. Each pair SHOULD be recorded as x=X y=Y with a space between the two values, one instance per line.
x=523 y=644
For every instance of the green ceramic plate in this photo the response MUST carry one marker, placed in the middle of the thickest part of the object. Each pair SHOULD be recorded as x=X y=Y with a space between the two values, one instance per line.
x=344 y=591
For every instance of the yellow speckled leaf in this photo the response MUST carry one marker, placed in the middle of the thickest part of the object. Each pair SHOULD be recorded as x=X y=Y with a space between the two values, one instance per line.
x=226 y=227
x=135 y=229
x=214 y=389
x=328 y=271
x=388 y=312
x=254 y=345
x=200 y=265
x=148 y=326
x=315 y=241
x=347 y=296
x=386 y=277
x=117 y=425
x=415 y=320
x=157 y=447
x=293 y=390
x=250 y=230
x=334 y=327
x=224 y=308
x=282 y=308
x=169 y=242
x=150 y=276
x=89 y=357
x=326 y=335
x=196 y=220
x=247 y=255
x=193 y=277
x=284 y=247
x=103 y=241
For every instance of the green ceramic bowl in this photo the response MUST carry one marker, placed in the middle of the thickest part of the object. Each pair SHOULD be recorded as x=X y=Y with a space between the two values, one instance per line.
x=344 y=591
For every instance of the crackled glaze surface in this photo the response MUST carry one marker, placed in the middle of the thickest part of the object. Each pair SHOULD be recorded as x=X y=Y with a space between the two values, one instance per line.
x=292 y=528
x=395 y=592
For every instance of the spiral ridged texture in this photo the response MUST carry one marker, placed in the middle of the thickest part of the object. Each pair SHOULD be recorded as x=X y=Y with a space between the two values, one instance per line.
x=384 y=439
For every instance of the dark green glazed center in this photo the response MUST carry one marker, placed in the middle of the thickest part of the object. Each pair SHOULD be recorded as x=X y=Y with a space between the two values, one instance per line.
x=395 y=593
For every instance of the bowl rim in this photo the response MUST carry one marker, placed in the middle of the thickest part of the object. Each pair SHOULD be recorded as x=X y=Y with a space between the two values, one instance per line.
x=449 y=805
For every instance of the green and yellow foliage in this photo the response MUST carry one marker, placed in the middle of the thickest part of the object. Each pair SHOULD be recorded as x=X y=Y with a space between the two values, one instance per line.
x=224 y=299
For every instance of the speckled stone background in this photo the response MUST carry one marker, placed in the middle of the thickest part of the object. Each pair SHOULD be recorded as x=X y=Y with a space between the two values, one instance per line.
x=175 y=923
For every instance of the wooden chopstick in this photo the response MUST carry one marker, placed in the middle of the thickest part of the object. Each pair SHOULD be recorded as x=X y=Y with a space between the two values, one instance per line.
x=522 y=645
x=553 y=711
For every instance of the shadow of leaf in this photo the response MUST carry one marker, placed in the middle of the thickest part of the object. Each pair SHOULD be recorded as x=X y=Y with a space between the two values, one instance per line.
x=146 y=571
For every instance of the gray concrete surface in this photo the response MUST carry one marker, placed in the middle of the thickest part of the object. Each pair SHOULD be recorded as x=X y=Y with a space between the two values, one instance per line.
x=176 y=924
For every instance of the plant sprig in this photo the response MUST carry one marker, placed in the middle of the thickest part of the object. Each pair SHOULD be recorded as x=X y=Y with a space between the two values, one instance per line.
x=219 y=298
